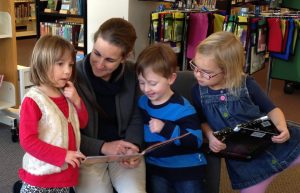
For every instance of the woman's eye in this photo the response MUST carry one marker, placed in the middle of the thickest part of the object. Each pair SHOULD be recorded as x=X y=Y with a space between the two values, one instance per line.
x=110 y=60
x=97 y=53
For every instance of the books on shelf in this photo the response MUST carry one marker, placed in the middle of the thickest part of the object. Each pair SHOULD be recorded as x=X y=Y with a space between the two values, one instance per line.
x=68 y=30
x=247 y=140
x=118 y=158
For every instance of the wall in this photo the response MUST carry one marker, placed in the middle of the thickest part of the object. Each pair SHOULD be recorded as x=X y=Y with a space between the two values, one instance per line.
x=137 y=12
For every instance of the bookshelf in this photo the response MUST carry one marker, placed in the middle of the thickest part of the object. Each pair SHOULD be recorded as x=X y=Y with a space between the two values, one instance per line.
x=25 y=18
x=8 y=46
x=65 y=18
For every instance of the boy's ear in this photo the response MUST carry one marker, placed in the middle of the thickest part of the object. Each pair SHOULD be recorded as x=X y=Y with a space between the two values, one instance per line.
x=172 y=78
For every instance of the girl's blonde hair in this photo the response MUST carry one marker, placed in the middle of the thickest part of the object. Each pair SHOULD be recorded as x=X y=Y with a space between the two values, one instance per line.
x=47 y=50
x=228 y=54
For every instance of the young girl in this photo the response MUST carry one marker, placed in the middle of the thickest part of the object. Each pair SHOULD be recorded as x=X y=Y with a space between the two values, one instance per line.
x=179 y=167
x=51 y=114
x=227 y=97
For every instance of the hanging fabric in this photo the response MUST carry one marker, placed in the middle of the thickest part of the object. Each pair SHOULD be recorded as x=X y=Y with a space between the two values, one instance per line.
x=197 y=31
x=290 y=34
x=241 y=29
x=218 y=22
x=296 y=32
x=261 y=37
x=275 y=35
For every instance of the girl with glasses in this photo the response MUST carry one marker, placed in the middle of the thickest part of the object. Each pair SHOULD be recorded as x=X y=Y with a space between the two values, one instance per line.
x=226 y=96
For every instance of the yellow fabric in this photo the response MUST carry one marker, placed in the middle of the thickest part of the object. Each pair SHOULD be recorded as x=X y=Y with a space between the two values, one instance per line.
x=218 y=22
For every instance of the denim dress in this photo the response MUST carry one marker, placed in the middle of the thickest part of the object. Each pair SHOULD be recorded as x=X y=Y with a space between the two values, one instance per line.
x=226 y=110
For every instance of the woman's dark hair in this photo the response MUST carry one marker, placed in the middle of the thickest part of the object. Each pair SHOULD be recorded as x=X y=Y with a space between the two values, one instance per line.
x=118 y=32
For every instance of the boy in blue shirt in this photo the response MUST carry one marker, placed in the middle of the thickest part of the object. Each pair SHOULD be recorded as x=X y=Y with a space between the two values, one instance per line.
x=179 y=166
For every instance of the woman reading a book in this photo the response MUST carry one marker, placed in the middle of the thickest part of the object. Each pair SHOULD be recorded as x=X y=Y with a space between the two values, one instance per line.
x=107 y=83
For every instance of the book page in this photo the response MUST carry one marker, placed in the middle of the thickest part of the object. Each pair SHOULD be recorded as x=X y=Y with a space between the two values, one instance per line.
x=110 y=158
x=118 y=158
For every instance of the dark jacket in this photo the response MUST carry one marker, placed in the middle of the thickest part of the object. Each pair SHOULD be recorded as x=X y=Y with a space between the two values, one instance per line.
x=130 y=121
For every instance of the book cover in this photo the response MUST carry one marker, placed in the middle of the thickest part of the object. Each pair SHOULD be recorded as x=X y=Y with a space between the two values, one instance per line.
x=246 y=140
x=118 y=158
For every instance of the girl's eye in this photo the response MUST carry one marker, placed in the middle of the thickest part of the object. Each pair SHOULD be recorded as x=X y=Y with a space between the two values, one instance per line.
x=59 y=63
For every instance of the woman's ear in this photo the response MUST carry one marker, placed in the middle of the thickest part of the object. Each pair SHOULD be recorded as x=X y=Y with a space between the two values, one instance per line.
x=129 y=56
x=172 y=78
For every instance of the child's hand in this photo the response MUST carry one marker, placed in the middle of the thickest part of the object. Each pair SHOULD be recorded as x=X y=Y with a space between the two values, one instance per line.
x=282 y=137
x=215 y=144
x=132 y=162
x=156 y=125
x=71 y=93
x=74 y=158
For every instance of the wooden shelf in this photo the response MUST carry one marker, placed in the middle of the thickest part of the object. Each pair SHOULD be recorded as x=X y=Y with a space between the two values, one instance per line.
x=25 y=33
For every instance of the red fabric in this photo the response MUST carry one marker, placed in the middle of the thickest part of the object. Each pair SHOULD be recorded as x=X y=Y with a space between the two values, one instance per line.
x=198 y=26
x=275 y=35
x=29 y=117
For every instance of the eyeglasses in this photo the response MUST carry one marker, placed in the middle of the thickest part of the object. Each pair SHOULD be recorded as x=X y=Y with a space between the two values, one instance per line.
x=205 y=75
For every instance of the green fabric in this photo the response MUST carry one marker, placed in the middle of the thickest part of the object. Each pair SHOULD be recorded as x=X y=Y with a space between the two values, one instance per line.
x=287 y=70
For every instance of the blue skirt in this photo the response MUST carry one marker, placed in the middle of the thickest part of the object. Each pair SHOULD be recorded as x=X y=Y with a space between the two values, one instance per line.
x=274 y=159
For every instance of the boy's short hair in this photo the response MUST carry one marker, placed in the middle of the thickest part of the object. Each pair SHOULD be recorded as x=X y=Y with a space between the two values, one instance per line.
x=47 y=50
x=160 y=57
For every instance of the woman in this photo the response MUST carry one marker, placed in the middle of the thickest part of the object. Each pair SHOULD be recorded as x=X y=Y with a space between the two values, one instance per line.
x=107 y=83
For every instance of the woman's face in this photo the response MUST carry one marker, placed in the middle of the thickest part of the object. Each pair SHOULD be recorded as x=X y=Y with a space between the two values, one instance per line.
x=105 y=58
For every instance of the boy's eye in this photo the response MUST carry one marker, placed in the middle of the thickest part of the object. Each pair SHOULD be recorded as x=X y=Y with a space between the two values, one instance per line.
x=153 y=83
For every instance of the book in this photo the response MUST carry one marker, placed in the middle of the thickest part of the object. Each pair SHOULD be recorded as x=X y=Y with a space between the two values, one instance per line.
x=246 y=140
x=118 y=158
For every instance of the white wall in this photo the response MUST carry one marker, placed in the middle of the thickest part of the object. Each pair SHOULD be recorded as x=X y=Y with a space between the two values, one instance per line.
x=99 y=11
x=137 y=12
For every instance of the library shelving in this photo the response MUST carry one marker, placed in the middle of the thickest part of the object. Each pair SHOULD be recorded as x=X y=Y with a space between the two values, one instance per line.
x=59 y=19
x=8 y=49
x=25 y=18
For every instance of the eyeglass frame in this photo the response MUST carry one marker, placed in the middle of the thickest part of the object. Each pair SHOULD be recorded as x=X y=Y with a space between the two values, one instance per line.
x=204 y=74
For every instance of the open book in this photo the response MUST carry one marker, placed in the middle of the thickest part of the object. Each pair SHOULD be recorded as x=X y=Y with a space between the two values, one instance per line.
x=247 y=140
x=118 y=158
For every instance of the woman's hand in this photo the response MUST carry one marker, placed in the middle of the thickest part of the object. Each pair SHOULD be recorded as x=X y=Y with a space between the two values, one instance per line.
x=119 y=147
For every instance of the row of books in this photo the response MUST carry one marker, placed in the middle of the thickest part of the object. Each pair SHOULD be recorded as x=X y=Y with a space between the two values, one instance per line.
x=72 y=32
x=65 y=6
x=24 y=11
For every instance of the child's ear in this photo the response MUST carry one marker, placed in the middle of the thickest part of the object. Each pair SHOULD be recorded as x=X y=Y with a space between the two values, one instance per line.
x=172 y=78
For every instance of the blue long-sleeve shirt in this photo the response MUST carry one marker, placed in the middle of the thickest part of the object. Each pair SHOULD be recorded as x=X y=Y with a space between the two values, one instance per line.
x=181 y=159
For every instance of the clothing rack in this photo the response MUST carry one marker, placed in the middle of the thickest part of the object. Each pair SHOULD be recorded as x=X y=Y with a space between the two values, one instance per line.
x=288 y=70
x=182 y=54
